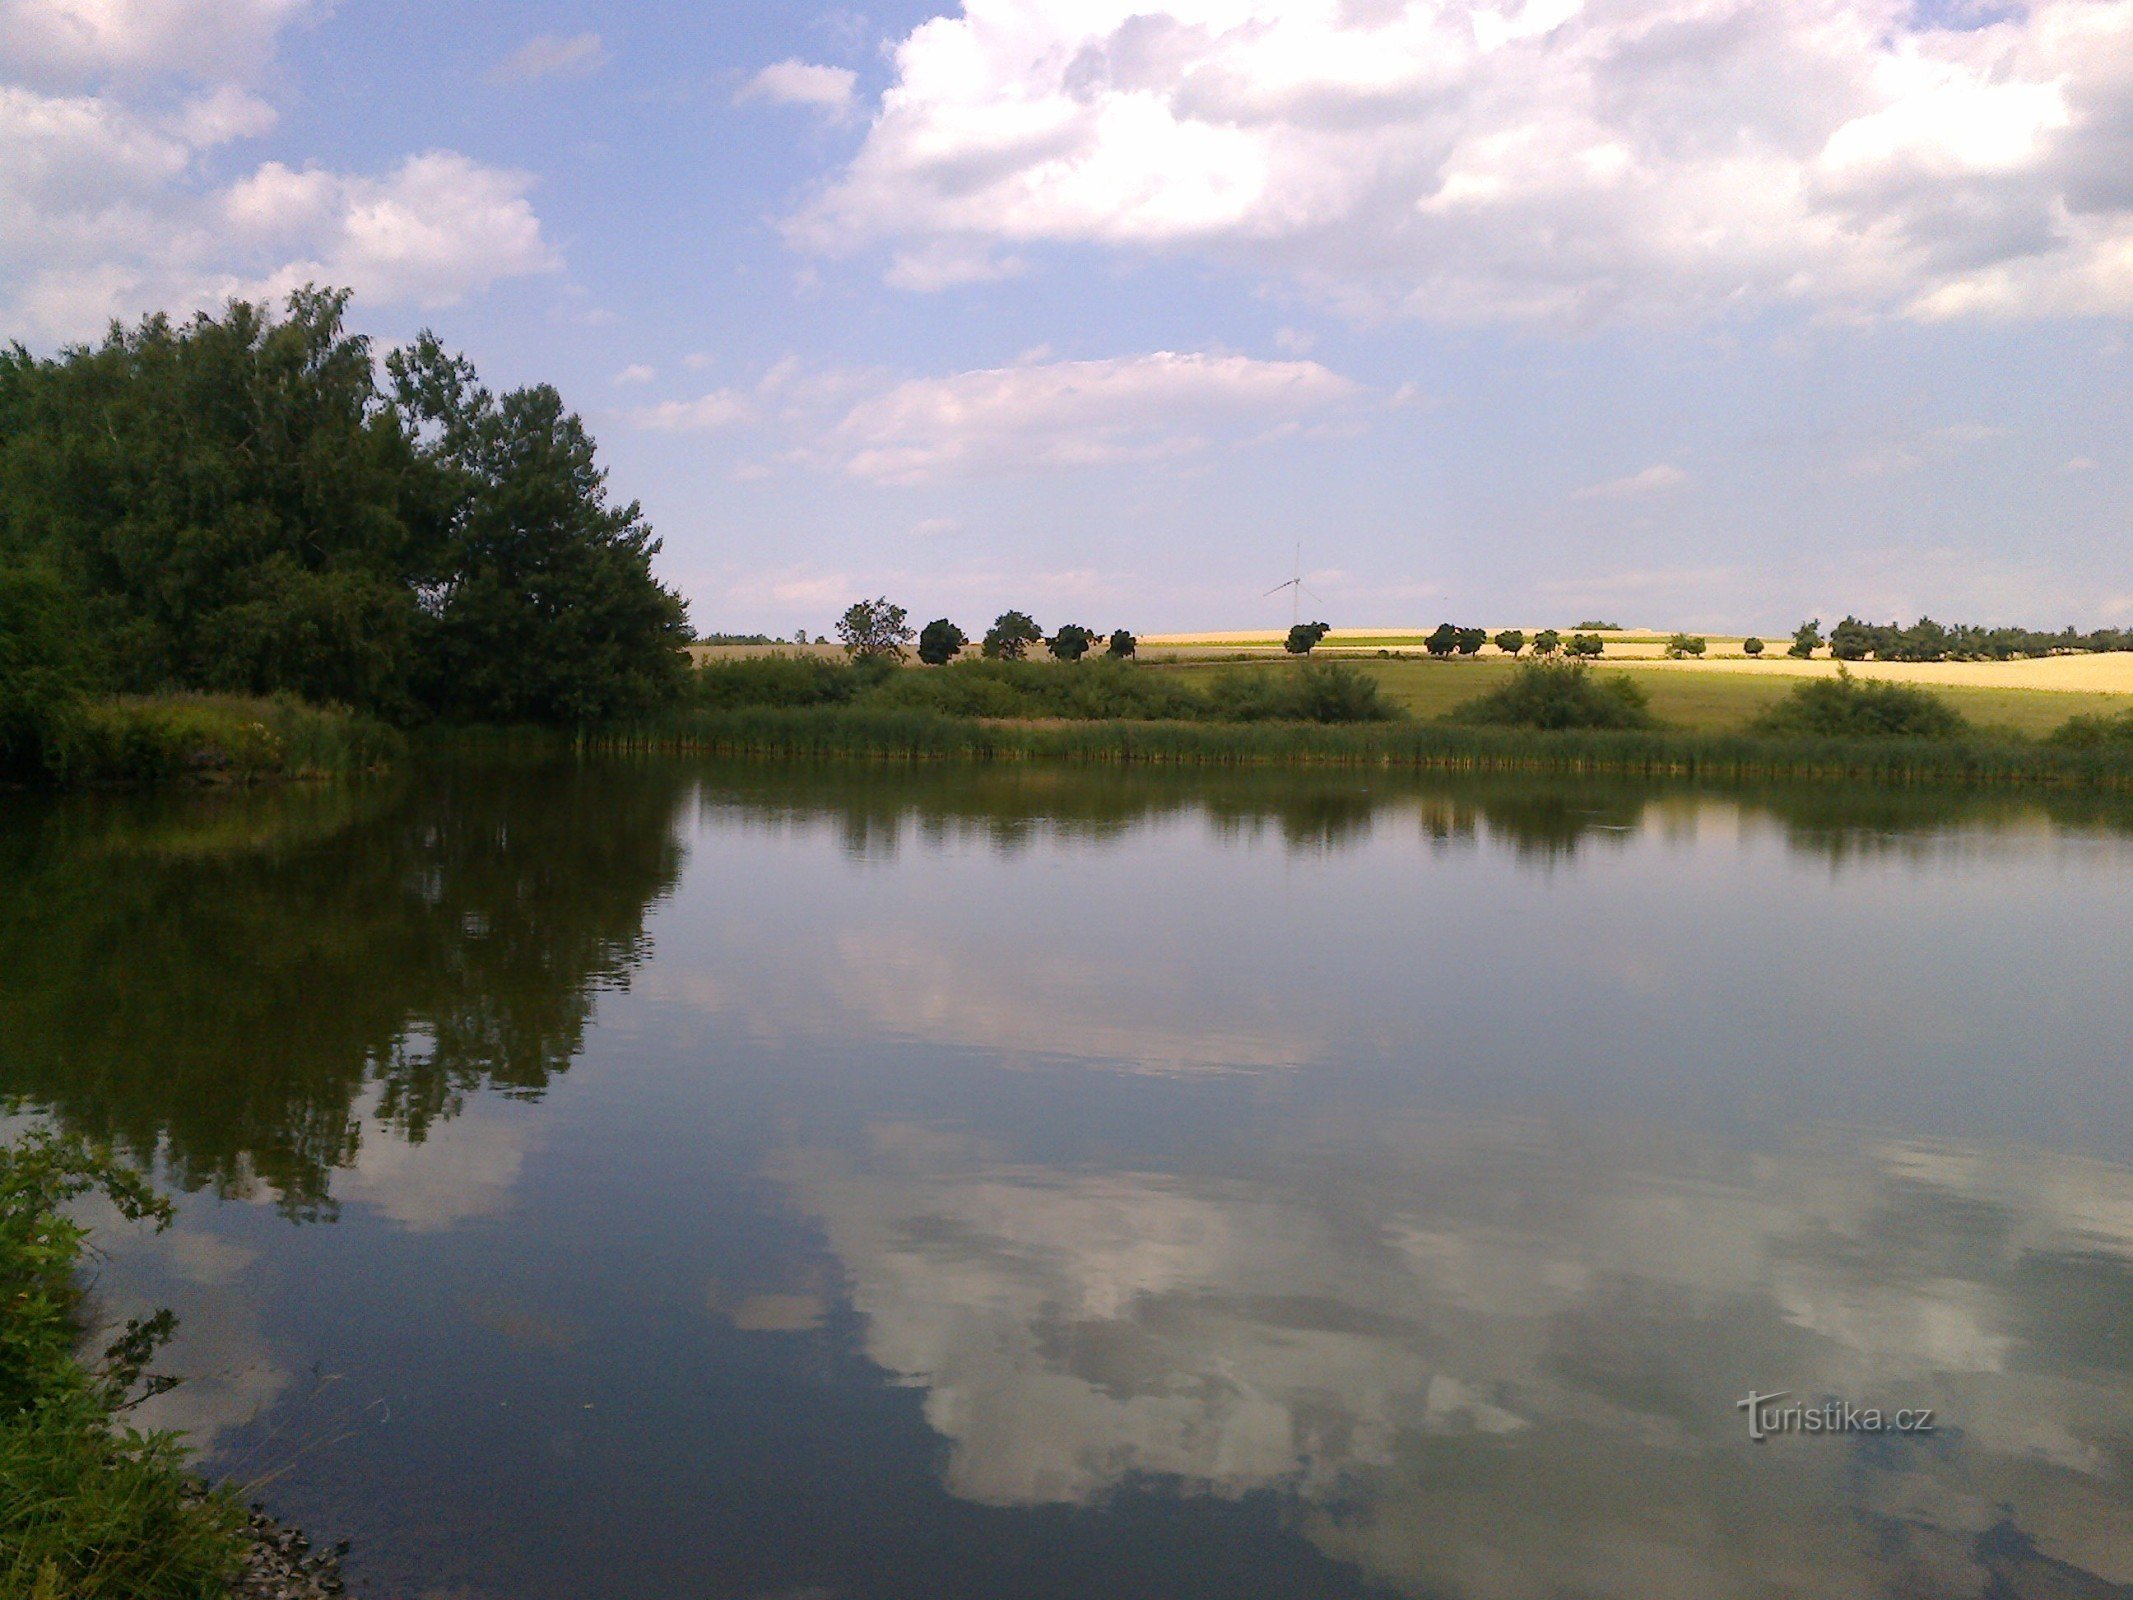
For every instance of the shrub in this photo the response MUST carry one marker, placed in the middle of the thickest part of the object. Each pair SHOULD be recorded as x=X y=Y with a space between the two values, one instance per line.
x=1321 y=691
x=1598 y=627
x=2094 y=733
x=1845 y=708
x=1550 y=695
x=1123 y=644
x=779 y=681
x=1751 y=647
x=1305 y=637
x=1030 y=689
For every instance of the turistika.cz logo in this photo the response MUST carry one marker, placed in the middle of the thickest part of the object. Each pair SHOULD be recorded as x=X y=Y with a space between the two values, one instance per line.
x=1768 y=1415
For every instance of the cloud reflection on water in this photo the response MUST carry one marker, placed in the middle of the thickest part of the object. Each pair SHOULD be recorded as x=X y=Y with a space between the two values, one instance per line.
x=1501 y=1358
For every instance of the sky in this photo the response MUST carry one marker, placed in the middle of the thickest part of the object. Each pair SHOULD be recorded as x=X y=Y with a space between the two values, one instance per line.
x=1711 y=314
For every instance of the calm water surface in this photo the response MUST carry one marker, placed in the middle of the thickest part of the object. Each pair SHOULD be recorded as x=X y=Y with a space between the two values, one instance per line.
x=660 y=1181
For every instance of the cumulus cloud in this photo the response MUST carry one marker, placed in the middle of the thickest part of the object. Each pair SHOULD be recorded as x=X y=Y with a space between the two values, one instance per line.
x=1550 y=161
x=1652 y=480
x=107 y=208
x=1076 y=413
x=802 y=83
x=550 y=55
x=211 y=39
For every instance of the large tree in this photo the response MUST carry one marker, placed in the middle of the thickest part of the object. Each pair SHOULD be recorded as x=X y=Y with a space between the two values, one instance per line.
x=233 y=503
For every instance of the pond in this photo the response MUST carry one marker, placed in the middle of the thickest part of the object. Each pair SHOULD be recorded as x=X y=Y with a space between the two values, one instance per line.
x=667 y=1179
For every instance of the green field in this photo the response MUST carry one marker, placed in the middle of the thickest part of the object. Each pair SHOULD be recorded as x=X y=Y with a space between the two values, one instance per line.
x=1705 y=702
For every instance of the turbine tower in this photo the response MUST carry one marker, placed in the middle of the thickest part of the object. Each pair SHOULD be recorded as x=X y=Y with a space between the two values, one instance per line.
x=1296 y=589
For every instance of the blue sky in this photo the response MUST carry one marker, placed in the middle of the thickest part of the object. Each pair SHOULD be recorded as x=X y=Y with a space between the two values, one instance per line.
x=1694 y=313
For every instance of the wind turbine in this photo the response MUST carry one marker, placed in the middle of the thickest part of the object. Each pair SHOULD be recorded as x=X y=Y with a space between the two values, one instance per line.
x=1296 y=589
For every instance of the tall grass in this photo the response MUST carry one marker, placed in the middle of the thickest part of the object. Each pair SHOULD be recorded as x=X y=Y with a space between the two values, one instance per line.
x=217 y=739
x=907 y=735
x=89 y=1508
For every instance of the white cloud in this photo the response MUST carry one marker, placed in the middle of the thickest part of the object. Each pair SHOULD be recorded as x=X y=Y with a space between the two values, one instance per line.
x=550 y=55
x=635 y=372
x=74 y=39
x=1558 y=162
x=108 y=209
x=1652 y=480
x=2079 y=464
x=1075 y=413
x=802 y=83
x=722 y=408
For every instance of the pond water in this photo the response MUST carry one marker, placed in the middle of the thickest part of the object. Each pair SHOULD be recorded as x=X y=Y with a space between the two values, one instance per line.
x=672 y=1180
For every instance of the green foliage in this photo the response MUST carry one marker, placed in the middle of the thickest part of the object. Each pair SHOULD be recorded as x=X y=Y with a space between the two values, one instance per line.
x=1024 y=689
x=1553 y=695
x=779 y=681
x=1122 y=645
x=1443 y=640
x=235 y=506
x=1547 y=642
x=1306 y=637
x=218 y=739
x=2094 y=733
x=1511 y=641
x=1071 y=642
x=1010 y=636
x=1319 y=691
x=940 y=641
x=42 y=674
x=1586 y=645
x=874 y=629
x=1597 y=627
x=1806 y=639
x=1843 y=707
x=1752 y=646
x=1927 y=640
x=89 y=1510
x=1470 y=640
x=1686 y=644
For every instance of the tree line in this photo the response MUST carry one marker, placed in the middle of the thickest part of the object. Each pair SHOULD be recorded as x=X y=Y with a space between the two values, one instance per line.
x=254 y=503
x=880 y=630
x=1927 y=640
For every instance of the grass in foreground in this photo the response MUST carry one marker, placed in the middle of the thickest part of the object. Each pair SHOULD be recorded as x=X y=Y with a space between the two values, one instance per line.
x=89 y=1508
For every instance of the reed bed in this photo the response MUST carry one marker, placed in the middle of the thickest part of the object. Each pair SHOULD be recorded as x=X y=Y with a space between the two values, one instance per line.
x=896 y=735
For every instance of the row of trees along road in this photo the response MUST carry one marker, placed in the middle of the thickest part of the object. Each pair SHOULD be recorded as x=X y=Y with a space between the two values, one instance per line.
x=881 y=630
x=246 y=503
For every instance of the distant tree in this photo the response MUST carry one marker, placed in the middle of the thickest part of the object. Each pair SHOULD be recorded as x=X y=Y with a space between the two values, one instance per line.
x=1011 y=635
x=1547 y=642
x=1686 y=644
x=1470 y=640
x=1852 y=640
x=1586 y=644
x=939 y=642
x=873 y=630
x=1123 y=644
x=799 y=636
x=1071 y=642
x=1443 y=640
x=1599 y=627
x=1751 y=646
x=1806 y=639
x=1511 y=641
x=1306 y=637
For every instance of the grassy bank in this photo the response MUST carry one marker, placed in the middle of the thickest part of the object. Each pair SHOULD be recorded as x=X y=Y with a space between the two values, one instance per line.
x=209 y=739
x=89 y=1508
x=867 y=732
